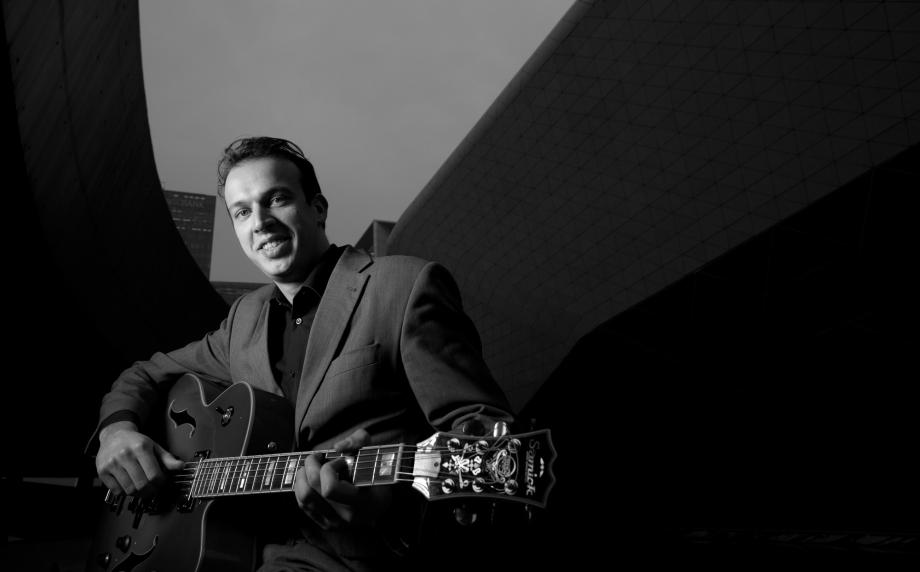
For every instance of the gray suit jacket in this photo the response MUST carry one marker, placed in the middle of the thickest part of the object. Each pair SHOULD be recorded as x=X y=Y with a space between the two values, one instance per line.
x=390 y=350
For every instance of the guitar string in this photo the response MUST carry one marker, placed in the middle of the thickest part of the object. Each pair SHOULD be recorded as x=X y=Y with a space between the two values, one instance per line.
x=255 y=476
x=261 y=479
x=230 y=469
x=286 y=488
x=405 y=476
x=238 y=467
x=201 y=493
x=190 y=465
x=224 y=473
x=257 y=462
x=381 y=448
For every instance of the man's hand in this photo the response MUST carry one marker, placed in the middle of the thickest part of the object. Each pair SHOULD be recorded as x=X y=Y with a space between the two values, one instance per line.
x=130 y=462
x=325 y=493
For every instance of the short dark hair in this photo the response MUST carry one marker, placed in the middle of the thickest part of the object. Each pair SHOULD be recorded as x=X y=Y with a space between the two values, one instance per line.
x=246 y=148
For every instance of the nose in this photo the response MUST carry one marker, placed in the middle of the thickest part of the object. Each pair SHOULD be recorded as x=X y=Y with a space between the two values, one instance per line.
x=262 y=219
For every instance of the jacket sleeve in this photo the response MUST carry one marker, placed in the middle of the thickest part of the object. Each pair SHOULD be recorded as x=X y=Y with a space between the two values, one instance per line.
x=442 y=356
x=138 y=391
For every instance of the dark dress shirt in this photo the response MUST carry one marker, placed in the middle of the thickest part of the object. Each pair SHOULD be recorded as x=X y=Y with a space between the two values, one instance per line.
x=289 y=324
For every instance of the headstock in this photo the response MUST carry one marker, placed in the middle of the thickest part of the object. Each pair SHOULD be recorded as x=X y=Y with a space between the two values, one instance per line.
x=507 y=467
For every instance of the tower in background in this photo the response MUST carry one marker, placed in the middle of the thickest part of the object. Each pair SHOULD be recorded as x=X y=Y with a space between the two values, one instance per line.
x=193 y=214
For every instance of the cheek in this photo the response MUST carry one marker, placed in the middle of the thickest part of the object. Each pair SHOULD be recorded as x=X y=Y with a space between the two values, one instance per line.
x=242 y=235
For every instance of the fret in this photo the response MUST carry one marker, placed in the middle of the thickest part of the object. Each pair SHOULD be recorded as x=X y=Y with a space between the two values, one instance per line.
x=406 y=462
x=205 y=468
x=257 y=474
x=386 y=467
x=363 y=473
x=215 y=476
x=234 y=470
x=254 y=474
x=277 y=474
x=244 y=474
x=235 y=474
x=195 y=481
x=269 y=474
x=201 y=477
x=376 y=464
x=224 y=477
x=289 y=471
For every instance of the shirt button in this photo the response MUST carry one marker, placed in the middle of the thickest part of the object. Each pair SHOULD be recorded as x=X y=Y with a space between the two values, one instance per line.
x=298 y=321
x=293 y=373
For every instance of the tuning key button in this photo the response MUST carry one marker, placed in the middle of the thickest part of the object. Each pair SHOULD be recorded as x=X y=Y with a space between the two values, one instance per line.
x=500 y=429
x=454 y=445
x=448 y=486
x=479 y=484
x=482 y=446
x=123 y=543
x=511 y=486
x=514 y=445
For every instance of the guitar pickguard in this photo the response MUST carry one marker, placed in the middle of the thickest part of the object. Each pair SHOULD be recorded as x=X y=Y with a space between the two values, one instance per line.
x=134 y=559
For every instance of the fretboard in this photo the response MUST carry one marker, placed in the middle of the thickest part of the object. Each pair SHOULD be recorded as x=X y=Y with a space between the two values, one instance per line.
x=274 y=473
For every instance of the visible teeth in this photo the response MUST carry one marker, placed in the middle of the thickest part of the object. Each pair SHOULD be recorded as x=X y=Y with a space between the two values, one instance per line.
x=272 y=244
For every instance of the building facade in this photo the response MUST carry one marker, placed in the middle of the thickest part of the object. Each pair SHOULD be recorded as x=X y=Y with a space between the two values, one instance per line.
x=193 y=215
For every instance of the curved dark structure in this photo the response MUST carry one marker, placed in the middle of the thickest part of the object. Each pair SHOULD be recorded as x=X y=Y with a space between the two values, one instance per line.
x=103 y=277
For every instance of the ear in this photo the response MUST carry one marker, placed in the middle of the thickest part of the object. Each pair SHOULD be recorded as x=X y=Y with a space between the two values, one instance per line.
x=321 y=206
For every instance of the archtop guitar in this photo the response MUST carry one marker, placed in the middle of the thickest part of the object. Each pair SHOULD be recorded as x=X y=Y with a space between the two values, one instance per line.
x=235 y=442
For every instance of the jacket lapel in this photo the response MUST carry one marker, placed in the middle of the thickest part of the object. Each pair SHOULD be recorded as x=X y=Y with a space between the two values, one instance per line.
x=343 y=291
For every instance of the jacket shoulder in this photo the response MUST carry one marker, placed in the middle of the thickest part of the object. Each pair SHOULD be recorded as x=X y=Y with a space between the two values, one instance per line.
x=400 y=262
x=254 y=299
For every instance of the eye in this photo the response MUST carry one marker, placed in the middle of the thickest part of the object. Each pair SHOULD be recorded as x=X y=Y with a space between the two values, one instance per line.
x=278 y=199
x=241 y=213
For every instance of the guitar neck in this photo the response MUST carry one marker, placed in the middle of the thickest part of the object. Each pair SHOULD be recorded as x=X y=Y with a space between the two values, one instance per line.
x=446 y=465
x=259 y=474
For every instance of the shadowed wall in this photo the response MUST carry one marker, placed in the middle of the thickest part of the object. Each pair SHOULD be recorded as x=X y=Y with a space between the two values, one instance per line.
x=642 y=140
x=101 y=276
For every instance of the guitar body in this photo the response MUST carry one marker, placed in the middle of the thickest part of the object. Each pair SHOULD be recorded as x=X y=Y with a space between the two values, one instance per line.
x=168 y=534
x=236 y=442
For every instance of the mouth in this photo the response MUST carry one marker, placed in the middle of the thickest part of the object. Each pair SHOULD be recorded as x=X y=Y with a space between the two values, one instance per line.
x=272 y=245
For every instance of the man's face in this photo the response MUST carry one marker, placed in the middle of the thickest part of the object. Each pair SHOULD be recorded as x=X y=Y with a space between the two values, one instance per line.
x=278 y=229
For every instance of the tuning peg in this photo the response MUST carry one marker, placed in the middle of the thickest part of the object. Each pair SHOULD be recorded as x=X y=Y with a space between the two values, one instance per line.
x=500 y=429
x=472 y=427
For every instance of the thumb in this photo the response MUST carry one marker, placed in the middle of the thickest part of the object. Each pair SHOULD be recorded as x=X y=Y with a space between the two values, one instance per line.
x=168 y=460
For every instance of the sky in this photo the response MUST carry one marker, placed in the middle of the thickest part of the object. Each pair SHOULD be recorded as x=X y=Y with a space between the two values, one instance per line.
x=376 y=93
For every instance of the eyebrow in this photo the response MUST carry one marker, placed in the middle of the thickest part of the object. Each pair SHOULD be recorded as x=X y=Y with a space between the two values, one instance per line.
x=268 y=192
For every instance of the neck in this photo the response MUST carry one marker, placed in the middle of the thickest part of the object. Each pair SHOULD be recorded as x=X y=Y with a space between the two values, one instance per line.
x=290 y=287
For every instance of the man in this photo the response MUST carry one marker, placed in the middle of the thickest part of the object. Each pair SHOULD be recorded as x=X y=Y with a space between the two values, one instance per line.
x=368 y=351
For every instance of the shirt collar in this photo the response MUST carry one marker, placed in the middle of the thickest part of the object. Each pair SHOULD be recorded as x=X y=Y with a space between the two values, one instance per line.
x=318 y=277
